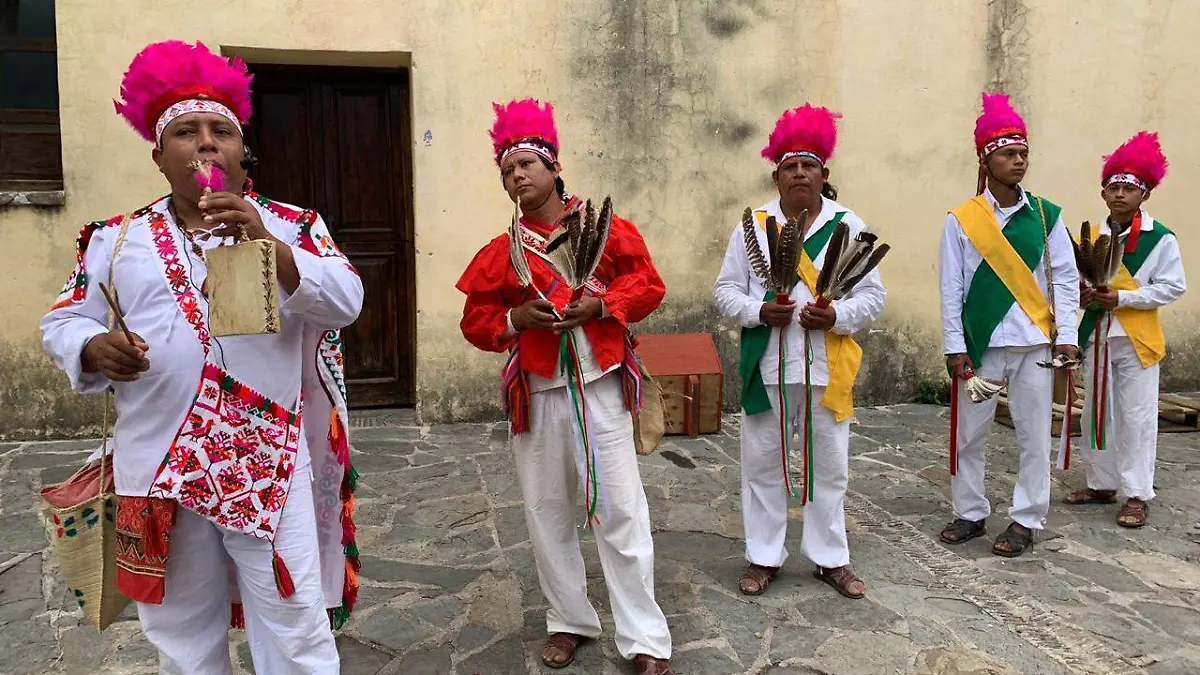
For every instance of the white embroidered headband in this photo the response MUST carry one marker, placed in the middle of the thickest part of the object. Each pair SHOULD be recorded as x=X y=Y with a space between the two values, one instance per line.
x=1127 y=178
x=803 y=153
x=533 y=146
x=192 y=105
x=1004 y=141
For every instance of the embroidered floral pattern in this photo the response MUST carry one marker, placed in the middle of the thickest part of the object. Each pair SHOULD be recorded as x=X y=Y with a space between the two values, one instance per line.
x=177 y=278
x=233 y=459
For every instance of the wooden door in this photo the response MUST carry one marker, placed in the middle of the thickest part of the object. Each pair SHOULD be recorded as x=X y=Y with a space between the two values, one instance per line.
x=338 y=140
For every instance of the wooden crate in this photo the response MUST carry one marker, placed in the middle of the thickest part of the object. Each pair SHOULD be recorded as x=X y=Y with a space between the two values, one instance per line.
x=688 y=369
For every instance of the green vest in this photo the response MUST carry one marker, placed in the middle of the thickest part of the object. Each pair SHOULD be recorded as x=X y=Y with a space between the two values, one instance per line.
x=1131 y=261
x=988 y=299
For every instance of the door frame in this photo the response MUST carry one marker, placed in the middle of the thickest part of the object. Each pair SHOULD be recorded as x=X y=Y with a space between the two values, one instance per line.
x=400 y=134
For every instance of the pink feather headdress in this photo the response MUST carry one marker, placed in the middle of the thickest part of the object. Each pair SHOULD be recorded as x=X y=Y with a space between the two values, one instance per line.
x=524 y=125
x=1139 y=161
x=805 y=130
x=998 y=125
x=167 y=73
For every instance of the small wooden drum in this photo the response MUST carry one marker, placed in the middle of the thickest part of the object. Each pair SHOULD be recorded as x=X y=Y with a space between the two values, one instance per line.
x=243 y=289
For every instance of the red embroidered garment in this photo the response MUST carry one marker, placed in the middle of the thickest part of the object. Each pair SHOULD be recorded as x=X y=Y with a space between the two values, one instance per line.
x=634 y=290
x=143 y=535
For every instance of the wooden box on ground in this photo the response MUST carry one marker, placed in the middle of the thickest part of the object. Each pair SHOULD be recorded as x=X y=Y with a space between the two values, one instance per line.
x=688 y=369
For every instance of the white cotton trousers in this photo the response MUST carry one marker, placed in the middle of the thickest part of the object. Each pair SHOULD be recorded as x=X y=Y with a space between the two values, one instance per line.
x=1127 y=462
x=287 y=637
x=764 y=492
x=1030 y=401
x=549 y=467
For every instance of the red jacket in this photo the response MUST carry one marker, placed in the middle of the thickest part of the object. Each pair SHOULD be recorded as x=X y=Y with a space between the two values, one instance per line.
x=634 y=291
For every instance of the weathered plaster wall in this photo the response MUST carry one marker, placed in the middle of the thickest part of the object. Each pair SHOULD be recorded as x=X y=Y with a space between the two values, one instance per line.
x=664 y=104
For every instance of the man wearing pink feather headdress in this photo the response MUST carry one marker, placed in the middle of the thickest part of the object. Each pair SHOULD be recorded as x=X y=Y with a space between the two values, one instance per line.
x=799 y=359
x=233 y=508
x=1009 y=296
x=1122 y=337
x=571 y=388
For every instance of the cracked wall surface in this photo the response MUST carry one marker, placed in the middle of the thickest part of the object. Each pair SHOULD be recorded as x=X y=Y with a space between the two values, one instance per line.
x=665 y=105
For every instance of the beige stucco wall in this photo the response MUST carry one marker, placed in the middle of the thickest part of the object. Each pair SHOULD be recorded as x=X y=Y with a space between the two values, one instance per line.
x=665 y=105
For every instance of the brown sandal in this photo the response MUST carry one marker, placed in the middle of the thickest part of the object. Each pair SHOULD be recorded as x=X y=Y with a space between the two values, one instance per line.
x=1133 y=514
x=756 y=578
x=1090 y=496
x=559 y=650
x=648 y=665
x=842 y=579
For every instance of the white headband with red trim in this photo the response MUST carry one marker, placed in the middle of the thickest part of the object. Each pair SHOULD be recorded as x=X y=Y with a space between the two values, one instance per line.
x=536 y=147
x=1004 y=141
x=192 y=105
x=802 y=153
x=1127 y=178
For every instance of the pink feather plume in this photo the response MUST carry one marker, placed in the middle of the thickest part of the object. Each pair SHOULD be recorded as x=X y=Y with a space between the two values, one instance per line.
x=997 y=120
x=210 y=177
x=521 y=120
x=804 y=129
x=1141 y=156
x=165 y=73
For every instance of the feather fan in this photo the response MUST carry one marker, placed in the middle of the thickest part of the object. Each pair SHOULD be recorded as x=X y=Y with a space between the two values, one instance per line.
x=577 y=245
x=847 y=262
x=1098 y=261
x=753 y=252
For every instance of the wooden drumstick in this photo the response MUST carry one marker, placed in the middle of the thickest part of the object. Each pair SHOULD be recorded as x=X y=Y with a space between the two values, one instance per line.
x=112 y=304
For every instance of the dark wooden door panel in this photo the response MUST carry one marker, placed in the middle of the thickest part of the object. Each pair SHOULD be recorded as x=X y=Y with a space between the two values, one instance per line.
x=280 y=112
x=337 y=140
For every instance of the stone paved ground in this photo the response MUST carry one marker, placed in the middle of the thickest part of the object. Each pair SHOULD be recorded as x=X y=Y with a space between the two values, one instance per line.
x=450 y=588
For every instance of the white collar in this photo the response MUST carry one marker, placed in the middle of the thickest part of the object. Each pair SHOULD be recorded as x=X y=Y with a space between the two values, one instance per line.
x=1022 y=200
x=1147 y=225
x=828 y=209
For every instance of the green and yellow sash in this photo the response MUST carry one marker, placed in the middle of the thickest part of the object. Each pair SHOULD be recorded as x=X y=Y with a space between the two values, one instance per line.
x=1010 y=255
x=842 y=352
x=1141 y=325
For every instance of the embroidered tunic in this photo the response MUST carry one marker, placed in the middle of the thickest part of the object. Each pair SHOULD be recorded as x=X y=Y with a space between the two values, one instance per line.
x=304 y=355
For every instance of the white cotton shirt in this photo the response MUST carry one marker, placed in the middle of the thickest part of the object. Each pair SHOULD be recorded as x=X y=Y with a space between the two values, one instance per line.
x=151 y=410
x=739 y=294
x=959 y=259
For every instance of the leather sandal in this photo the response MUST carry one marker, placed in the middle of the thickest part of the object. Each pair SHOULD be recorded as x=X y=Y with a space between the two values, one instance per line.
x=648 y=665
x=756 y=578
x=843 y=580
x=1133 y=514
x=961 y=530
x=1090 y=496
x=559 y=650
x=1017 y=542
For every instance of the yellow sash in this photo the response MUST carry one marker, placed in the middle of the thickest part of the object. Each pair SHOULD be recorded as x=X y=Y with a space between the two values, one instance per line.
x=979 y=224
x=842 y=353
x=1141 y=325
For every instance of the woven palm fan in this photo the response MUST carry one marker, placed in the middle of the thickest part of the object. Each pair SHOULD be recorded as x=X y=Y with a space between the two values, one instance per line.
x=516 y=252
